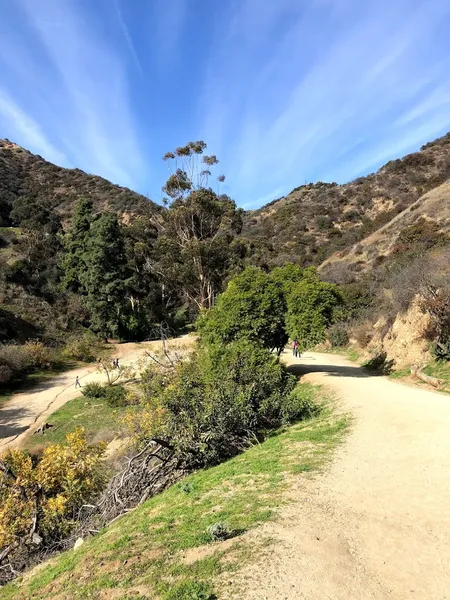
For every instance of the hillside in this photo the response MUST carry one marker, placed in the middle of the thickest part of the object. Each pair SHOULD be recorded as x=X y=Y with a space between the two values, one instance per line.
x=37 y=201
x=23 y=174
x=316 y=220
x=423 y=226
x=397 y=279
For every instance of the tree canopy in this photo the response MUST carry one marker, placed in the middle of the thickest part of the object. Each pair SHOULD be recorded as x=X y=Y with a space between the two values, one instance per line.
x=269 y=308
x=252 y=307
x=310 y=306
x=196 y=246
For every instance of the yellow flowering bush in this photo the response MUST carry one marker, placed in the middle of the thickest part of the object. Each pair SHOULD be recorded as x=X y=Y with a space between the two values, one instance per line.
x=43 y=495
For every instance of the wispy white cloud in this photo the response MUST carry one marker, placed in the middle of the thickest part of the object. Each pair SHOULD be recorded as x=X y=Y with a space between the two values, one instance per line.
x=127 y=36
x=287 y=112
x=170 y=18
x=283 y=91
x=27 y=127
x=87 y=104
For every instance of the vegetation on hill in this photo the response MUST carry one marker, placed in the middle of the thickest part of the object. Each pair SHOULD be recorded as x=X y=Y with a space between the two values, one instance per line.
x=170 y=262
x=316 y=220
x=404 y=264
x=37 y=181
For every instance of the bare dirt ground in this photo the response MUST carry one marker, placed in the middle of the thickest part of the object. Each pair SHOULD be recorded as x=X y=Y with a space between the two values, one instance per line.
x=376 y=524
x=24 y=413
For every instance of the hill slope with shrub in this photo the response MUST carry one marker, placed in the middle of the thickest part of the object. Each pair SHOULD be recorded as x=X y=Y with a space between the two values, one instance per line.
x=422 y=227
x=24 y=174
x=316 y=220
x=398 y=279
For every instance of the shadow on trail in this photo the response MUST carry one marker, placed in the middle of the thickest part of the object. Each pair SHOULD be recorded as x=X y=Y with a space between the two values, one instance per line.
x=331 y=370
x=10 y=424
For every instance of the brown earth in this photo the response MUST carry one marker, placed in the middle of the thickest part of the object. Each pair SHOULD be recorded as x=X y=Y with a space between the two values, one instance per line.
x=376 y=525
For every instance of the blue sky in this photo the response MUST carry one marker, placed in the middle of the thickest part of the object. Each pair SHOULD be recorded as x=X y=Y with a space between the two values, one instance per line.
x=283 y=91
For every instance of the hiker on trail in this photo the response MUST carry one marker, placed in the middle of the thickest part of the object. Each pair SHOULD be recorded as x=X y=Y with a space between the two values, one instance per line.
x=77 y=382
x=295 y=348
x=117 y=363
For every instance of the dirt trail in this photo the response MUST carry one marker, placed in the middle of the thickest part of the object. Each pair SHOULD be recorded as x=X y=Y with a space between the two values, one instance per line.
x=25 y=412
x=376 y=525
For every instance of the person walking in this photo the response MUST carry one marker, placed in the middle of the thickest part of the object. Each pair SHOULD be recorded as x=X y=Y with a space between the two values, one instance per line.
x=295 y=348
x=77 y=382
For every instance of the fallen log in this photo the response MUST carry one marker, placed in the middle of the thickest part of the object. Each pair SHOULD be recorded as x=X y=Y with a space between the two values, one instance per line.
x=434 y=381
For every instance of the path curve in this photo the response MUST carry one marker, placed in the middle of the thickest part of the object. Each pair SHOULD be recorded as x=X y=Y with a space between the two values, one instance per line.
x=23 y=413
x=376 y=525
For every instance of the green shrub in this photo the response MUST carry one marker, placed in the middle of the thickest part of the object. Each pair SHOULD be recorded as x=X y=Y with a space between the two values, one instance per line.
x=86 y=347
x=116 y=396
x=338 y=335
x=93 y=389
x=252 y=307
x=299 y=405
x=190 y=590
x=311 y=304
x=219 y=531
x=220 y=398
x=441 y=350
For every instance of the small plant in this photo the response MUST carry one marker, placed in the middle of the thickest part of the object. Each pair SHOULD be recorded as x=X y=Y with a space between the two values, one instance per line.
x=219 y=531
x=441 y=350
x=116 y=396
x=5 y=374
x=93 y=389
x=186 y=487
x=190 y=590
x=363 y=333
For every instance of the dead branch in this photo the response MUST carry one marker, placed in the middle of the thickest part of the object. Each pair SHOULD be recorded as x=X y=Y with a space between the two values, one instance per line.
x=434 y=381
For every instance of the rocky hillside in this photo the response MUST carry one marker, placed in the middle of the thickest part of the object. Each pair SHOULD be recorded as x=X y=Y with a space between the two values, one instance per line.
x=25 y=174
x=402 y=271
x=316 y=220
x=423 y=226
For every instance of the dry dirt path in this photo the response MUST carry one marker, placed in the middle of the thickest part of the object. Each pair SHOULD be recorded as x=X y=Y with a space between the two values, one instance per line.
x=25 y=412
x=376 y=525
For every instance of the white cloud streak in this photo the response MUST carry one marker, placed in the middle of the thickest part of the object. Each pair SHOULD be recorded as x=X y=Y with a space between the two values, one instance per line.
x=287 y=112
x=127 y=36
x=87 y=102
x=29 y=129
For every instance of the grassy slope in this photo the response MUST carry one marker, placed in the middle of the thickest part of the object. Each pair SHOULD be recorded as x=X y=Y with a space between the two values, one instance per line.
x=441 y=370
x=100 y=421
x=143 y=555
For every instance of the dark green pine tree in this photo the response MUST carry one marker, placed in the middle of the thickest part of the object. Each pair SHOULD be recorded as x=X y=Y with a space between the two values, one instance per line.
x=105 y=276
x=75 y=244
